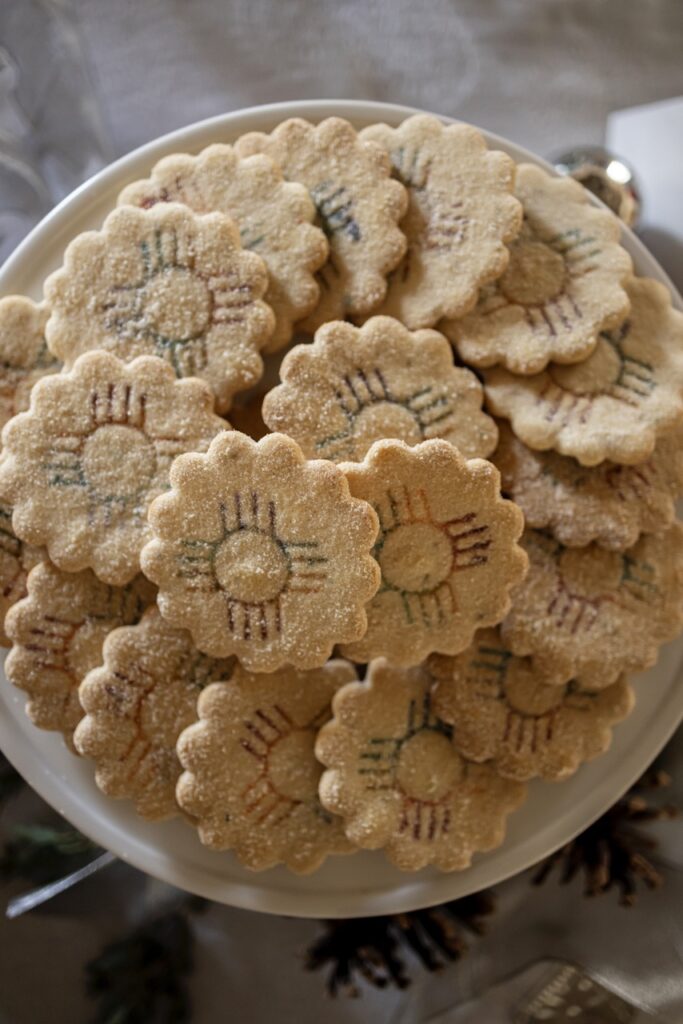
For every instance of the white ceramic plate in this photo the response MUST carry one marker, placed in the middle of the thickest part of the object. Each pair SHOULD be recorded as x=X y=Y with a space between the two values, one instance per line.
x=363 y=884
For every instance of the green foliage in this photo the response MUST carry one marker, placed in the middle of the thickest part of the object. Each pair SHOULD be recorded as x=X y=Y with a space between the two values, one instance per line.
x=41 y=853
x=142 y=978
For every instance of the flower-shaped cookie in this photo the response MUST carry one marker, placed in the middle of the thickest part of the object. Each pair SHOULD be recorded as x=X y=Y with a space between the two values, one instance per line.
x=358 y=205
x=136 y=705
x=262 y=554
x=589 y=614
x=610 y=504
x=616 y=403
x=165 y=282
x=562 y=286
x=395 y=775
x=58 y=632
x=274 y=217
x=16 y=561
x=446 y=547
x=82 y=466
x=24 y=355
x=251 y=777
x=354 y=386
x=461 y=212
x=502 y=710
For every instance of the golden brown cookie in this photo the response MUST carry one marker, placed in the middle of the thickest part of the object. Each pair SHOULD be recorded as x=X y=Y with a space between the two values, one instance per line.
x=563 y=285
x=616 y=403
x=609 y=504
x=503 y=710
x=83 y=465
x=58 y=632
x=262 y=554
x=461 y=212
x=358 y=205
x=136 y=705
x=24 y=355
x=354 y=386
x=16 y=561
x=590 y=614
x=396 y=777
x=446 y=547
x=274 y=218
x=164 y=282
x=251 y=777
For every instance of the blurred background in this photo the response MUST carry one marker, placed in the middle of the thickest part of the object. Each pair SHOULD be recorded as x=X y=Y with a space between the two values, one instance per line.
x=85 y=81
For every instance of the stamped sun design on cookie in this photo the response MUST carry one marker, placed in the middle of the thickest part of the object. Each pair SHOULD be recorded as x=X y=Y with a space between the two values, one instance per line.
x=354 y=386
x=446 y=549
x=274 y=217
x=610 y=504
x=24 y=355
x=563 y=285
x=461 y=212
x=96 y=447
x=164 y=282
x=262 y=554
x=395 y=776
x=616 y=403
x=16 y=561
x=251 y=777
x=358 y=206
x=58 y=631
x=591 y=614
x=504 y=710
x=136 y=705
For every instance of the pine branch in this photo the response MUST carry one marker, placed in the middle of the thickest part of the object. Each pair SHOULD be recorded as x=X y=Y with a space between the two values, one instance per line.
x=142 y=978
x=41 y=853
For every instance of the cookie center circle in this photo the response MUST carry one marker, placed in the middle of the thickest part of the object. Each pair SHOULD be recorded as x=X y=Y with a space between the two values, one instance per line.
x=535 y=274
x=533 y=698
x=293 y=769
x=428 y=767
x=384 y=420
x=594 y=375
x=177 y=304
x=251 y=567
x=118 y=462
x=416 y=557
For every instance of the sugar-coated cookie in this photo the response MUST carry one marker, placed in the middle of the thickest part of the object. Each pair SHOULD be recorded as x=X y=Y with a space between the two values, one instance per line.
x=616 y=403
x=251 y=776
x=164 y=282
x=354 y=386
x=461 y=212
x=358 y=204
x=82 y=466
x=563 y=285
x=274 y=217
x=58 y=631
x=395 y=776
x=446 y=548
x=262 y=554
x=136 y=704
x=503 y=710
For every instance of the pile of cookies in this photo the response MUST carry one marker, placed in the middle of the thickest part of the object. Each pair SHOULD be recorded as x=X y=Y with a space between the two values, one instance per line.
x=264 y=557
